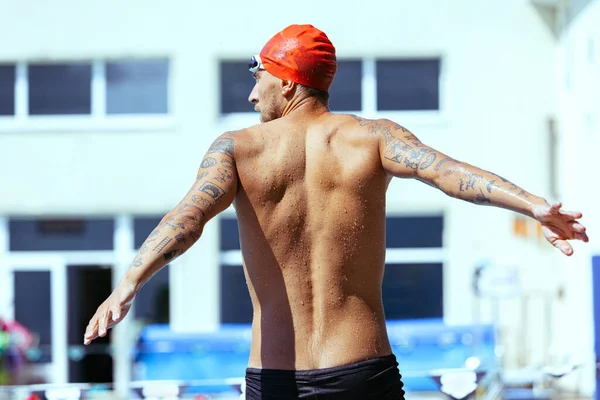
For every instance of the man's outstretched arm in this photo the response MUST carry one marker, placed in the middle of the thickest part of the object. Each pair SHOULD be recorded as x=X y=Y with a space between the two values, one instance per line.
x=404 y=155
x=212 y=192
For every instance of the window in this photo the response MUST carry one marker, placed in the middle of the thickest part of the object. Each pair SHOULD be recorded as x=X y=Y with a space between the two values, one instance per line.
x=152 y=304
x=346 y=90
x=32 y=308
x=408 y=84
x=142 y=227
x=137 y=87
x=69 y=234
x=238 y=308
x=7 y=90
x=60 y=89
x=86 y=88
x=410 y=289
x=414 y=232
x=413 y=291
x=236 y=85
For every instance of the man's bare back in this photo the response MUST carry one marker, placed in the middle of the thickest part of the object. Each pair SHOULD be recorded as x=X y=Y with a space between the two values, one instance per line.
x=309 y=190
x=311 y=214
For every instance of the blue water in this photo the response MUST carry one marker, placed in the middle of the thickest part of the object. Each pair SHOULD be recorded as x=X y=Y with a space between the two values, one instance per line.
x=419 y=345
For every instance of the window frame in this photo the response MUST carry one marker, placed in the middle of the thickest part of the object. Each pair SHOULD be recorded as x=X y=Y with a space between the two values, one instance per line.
x=420 y=119
x=98 y=120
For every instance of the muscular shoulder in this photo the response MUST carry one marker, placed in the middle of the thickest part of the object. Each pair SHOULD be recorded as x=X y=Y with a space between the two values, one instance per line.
x=378 y=128
x=232 y=143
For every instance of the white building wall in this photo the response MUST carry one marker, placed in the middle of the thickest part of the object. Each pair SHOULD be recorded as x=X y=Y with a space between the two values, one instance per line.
x=498 y=91
x=578 y=86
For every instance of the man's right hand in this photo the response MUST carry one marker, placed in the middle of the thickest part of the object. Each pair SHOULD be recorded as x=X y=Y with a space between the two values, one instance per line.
x=111 y=312
x=558 y=226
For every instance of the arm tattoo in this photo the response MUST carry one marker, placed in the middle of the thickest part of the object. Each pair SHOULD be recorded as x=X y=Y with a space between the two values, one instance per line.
x=181 y=238
x=224 y=175
x=163 y=243
x=512 y=186
x=413 y=140
x=396 y=149
x=414 y=158
x=481 y=199
x=441 y=163
x=361 y=121
x=190 y=206
x=170 y=255
x=208 y=162
x=174 y=225
x=223 y=146
x=201 y=201
x=429 y=160
x=227 y=163
x=202 y=175
x=144 y=248
x=138 y=262
x=211 y=189
x=469 y=183
x=153 y=235
x=403 y=129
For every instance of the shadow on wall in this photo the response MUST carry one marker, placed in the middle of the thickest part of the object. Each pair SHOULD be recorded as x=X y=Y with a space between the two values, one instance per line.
x=558 y=17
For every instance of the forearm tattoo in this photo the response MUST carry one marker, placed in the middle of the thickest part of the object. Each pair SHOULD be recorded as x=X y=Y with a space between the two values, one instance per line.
x=181 y=229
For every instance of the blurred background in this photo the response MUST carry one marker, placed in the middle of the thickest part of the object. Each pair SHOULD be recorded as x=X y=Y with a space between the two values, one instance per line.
x=106 y=109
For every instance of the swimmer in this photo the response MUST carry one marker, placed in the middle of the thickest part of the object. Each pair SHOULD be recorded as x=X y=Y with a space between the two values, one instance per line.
x=309 y=188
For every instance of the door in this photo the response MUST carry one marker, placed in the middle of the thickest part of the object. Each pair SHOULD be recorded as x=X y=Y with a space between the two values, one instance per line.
x=38 y=293
x=88 y=286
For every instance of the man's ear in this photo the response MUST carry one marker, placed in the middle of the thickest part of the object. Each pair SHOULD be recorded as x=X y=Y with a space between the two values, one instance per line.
x=288 y=88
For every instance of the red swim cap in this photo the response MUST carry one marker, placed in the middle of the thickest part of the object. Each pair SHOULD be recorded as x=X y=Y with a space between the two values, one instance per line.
x=301 y=54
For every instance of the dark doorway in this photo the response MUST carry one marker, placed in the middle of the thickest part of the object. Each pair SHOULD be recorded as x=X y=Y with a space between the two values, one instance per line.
x=88 y=286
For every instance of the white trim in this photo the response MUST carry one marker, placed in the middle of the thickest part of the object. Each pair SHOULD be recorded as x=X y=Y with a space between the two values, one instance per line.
x=58 y=322
x=6 y=281
x=4 y=236
x=98 y=89
x=88 y=123
x=369 y=87
x=407 y=256
x=419 y=119
x=24 y=259
x=122 y=345
x=58 y=306
x=21 y=91
x=233 y=258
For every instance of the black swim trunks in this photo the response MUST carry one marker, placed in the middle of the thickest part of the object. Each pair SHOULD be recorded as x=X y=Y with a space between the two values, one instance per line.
x=377 y=378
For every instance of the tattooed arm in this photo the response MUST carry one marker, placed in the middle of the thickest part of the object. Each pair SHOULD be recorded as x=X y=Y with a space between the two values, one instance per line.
x=212 y=192
x=404 y=155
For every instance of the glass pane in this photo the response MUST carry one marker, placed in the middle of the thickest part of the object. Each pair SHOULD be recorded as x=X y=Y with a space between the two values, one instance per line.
x=415 y=231
x=137 y=87
x=412 y=291
x=238 y=308
x=32 y=309
x=55 y=234
x=142 y=228
x=346 y=90
x=230 y=235
x=7 y=90
x=152 y=301
x=60 y=89
x=87 y=287
x=236 y=85
x=408 y=84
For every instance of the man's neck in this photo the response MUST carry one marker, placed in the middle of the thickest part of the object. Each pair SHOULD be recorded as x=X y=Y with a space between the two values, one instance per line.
x=305 y=105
